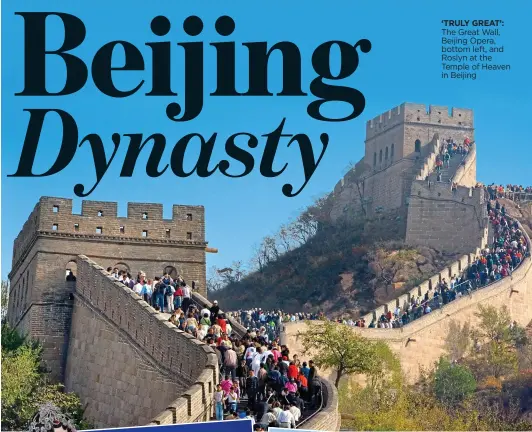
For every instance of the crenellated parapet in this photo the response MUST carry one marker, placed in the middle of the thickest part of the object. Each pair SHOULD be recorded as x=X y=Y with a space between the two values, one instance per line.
x=123 y=355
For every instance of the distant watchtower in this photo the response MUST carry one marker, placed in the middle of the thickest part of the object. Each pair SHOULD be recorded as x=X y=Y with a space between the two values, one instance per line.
x=51 y=239
x=405 y=131
x=398 y=143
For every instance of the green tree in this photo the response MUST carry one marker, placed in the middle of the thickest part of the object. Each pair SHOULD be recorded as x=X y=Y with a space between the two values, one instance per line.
x=494 y=323
x=25 y=385
x=338 y=347
x=453 y=383
x=20 y=370
x=458 y=340
x=495 y=353
x=11 y=339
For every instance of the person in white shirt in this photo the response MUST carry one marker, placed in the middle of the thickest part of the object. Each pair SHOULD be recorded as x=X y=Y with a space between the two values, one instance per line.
x=255 y=363
x=277 y=410
x=137 y=288
x=250 y=351
x=286 y=419
x=296 y=412
x=219 y=399
x=204 y=311
x=265 y=355
x=186 y=296
x=269 y=419
x=170 y=290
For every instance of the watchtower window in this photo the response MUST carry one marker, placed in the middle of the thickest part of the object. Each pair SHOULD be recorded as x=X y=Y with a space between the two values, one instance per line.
x=100 y=213
x=99 y=230
x=76 y=227
x=55 y=209
x=167 y=233
x=144 y=215
x=145 y=233
x=386 y=154
x=189 y=216
x=380 y=156
x=122 y=229
x=55 y=227
x=189 y=236
x=374 y=158
x=417 y=145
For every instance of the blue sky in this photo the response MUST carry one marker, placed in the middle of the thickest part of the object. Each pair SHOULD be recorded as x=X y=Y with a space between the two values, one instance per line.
x=403 y=66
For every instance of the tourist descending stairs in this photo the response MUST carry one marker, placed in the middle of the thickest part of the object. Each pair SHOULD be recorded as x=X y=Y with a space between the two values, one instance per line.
x=447 y=172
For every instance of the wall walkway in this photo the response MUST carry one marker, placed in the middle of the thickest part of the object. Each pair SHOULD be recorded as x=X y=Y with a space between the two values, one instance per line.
x=128 y=364
x=421 y=342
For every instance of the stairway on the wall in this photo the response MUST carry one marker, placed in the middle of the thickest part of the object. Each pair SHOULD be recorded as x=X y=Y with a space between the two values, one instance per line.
x=447 y=172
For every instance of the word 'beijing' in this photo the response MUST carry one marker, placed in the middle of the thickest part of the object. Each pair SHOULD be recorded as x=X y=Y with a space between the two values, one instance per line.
x=102 y=69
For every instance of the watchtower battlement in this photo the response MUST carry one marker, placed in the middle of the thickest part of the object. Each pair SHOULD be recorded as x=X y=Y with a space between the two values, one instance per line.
x=384 y=121
x=99 y=220
x=51 y=240
x=437 y=115
x=406 y=131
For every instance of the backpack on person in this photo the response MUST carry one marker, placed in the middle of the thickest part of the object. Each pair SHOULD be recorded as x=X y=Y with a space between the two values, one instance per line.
x=161 y=288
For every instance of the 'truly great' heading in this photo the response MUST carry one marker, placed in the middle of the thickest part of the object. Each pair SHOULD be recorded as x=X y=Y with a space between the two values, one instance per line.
x=159 y=81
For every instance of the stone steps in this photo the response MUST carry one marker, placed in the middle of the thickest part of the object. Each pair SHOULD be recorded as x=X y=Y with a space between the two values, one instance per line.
x=447 y=172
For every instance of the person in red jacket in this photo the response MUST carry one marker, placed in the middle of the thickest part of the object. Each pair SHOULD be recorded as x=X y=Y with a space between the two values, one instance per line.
x=222 y=323
x=293 y=371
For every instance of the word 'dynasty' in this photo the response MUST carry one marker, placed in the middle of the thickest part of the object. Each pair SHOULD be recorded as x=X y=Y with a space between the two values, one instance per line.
x=158 y=80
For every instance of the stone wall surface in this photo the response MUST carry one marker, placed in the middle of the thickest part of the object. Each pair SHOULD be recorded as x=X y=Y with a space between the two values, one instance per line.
x=446 y=220
x=466 y=175
x=129 y=364
x=53 y=237
x=422 y=342
x=328 y=418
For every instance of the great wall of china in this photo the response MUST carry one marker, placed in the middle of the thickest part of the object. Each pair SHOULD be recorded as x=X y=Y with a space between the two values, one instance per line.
x=132 y=367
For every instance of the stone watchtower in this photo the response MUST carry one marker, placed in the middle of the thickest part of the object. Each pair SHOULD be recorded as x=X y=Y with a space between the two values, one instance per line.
x=405 y=132
x=396 y=146
x=41 y=299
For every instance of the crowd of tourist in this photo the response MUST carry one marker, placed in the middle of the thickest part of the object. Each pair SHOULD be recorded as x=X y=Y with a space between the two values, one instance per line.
x=508 y=248
x=513 y=192
x=270 y=320
x=261 y=381
x=448 y=150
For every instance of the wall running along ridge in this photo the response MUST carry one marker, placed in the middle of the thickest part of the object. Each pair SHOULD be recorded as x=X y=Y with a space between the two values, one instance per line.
x=128 y=364
x=422 y=342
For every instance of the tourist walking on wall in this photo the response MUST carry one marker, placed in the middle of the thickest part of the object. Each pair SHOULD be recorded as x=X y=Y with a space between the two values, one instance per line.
x=219 y=399
x=252 y=387
x=158 y=294
x=186 y=296
x=286 y=419
x=230 y=363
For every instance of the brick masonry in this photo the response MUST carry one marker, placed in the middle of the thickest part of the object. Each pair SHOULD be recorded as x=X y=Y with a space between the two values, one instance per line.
x=128 y=364
x=401 y=147
x=422 y=342
x=445 y=220
x=53 y=237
